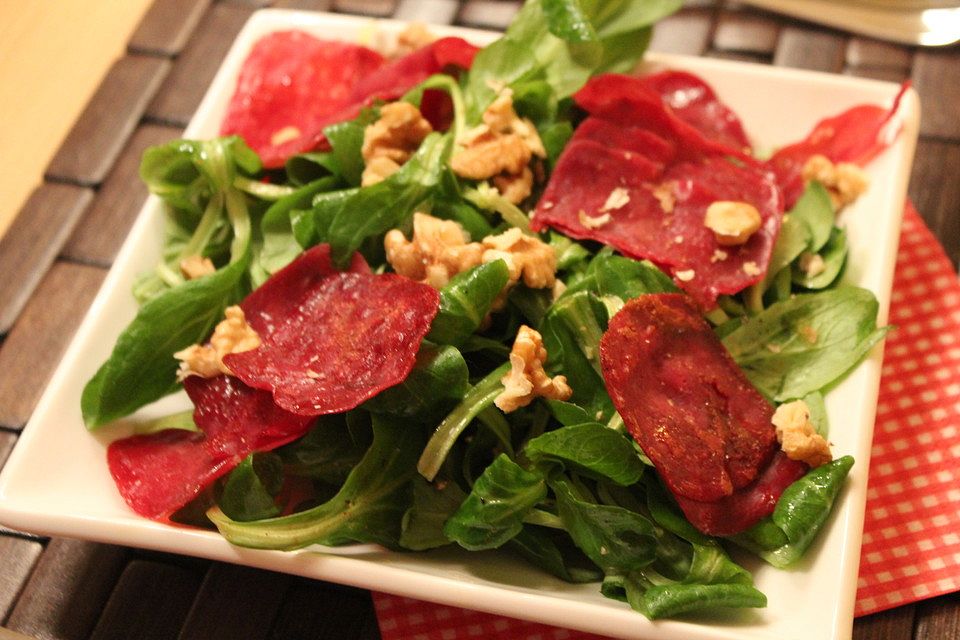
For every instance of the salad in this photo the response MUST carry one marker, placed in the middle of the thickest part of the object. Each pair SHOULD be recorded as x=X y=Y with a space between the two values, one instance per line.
x=383 y=344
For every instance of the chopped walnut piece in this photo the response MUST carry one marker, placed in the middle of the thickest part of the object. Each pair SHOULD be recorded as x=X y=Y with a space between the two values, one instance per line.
x=514 y=187
x=439 y=250
x=844 y=181
x=686 y=275
x=395 y=136
x=732 y=223
x=527 y=379
x=491 y=155
x=500 y=148
x=797 y=436
x=193 y=267
x=415 y=36
x=592 y=222
x=617 y=199
x=231 y=335
x=664 y=194
x=526 y=256
x=751 y=269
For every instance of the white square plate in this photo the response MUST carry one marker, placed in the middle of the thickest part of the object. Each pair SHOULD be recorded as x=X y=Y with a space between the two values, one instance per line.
x=56 y=481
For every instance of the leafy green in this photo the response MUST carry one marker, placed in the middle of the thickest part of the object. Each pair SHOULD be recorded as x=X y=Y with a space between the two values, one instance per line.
x=141 y=368
x=800 y=513
x=480 y=397
x=553 y=551
x=433 y=504
x=371 y=211
x=368 y=508
x=327 y=452
x=815 y=211
x=834 y=255
x=493 y=512
x=251 y=488
x=806 y=343
x=466 y=300
x=439 y=374
x=616 y=539
x=591 y=449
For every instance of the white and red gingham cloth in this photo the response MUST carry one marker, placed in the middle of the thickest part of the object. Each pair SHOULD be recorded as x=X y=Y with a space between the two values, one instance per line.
x=911 y=539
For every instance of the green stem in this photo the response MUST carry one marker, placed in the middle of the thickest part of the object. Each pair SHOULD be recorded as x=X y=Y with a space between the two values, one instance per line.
x=543 y=519
x=489 y=199
x=262 y=190
x=446 y=434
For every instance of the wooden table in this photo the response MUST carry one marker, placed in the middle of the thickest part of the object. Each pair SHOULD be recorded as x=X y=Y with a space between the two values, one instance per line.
x=57 y=252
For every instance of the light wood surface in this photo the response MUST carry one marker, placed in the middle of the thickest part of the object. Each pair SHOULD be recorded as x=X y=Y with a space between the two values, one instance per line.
x=55 y=52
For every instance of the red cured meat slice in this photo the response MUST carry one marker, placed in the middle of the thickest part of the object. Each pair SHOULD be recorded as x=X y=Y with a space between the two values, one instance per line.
x=675 y=238
x=695 y=102
x=857 y=135
x=747 y=506
x=159 y=473
x=706 y=429
x=629 y=101
x=330 y=340
x=636 y=139
x=290 y=86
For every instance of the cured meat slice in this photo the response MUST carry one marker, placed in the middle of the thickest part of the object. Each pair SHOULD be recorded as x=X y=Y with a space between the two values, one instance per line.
x=625 y=138
x=706 y=429
x=290 y=87
x=329 y=339
x=694 y=102
x=652 y=176
x=629 y=101
x=660 y=215
x=747 y=506
x=159 y=473
x=857 y=135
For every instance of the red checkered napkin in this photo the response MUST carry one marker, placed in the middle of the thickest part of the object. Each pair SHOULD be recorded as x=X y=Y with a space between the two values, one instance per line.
x=911 y=539
x=911 y=531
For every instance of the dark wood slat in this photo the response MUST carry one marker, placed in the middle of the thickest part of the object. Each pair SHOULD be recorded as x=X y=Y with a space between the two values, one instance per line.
x=738 y=56
x=90 y=149
x=878 y=73
x=804 y=48
x=32 y=242
x=935 y=191
x=235 y=602
x=894 y=624
x=19 y=556
x=686 y=32
x=104 y=227
x=151 y=600
x=33 y=349
x=429 y=11
x=184 y=87
x=379 y=8
x=939 y=618
x=488 y=14
x=166 y=27
x=745 y=32
x=322 y=611
x=866 y=52
x=936 y=77
x=67 y=590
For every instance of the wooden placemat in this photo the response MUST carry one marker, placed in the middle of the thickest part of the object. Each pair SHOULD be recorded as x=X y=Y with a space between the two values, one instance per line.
x=56 y=253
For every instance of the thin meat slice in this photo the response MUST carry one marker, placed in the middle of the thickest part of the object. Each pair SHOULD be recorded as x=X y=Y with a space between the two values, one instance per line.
x=159 y=473
x=291 y=86
x=696 y=103
x=626 y=138
x=856 y=135
x=706 y=429
x=632 y=203
x=329 y=339
x=746 y=506
x=629 y=101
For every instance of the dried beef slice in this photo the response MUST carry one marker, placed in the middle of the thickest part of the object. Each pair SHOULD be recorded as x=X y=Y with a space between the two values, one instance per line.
x=706 y=429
